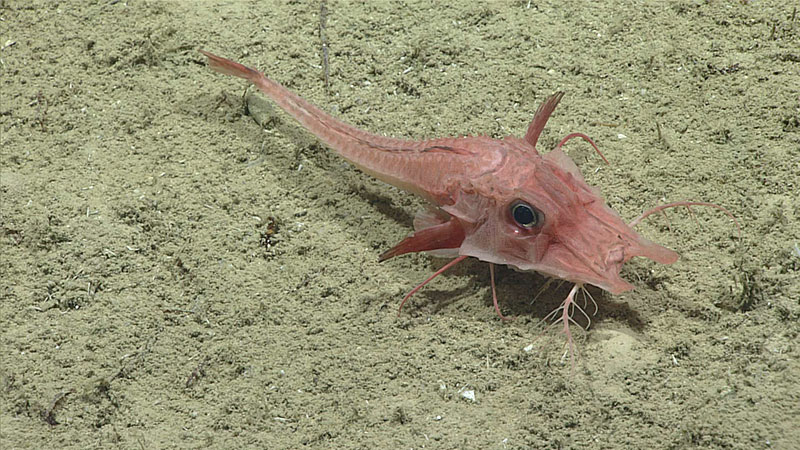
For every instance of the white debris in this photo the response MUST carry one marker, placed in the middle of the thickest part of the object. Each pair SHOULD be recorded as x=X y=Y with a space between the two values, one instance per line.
x=469 y=395
x=528 y=348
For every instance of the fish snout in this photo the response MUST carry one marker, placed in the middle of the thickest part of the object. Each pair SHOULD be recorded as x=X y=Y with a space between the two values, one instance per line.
x=651 y=250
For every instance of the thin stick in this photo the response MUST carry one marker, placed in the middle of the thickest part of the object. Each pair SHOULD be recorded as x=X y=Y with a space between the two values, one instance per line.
x=323 y=17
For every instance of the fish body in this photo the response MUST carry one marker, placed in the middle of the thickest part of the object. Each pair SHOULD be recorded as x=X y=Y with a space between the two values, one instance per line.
x=498 y=200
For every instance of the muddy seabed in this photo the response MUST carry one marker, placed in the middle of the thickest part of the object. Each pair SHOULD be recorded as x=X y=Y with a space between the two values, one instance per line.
x=176 y=275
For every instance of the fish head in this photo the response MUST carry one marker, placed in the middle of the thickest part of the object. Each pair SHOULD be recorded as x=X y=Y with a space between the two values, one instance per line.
x=549 y=220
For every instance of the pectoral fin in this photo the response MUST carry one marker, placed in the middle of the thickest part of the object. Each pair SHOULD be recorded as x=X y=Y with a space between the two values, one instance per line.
x=447 y=235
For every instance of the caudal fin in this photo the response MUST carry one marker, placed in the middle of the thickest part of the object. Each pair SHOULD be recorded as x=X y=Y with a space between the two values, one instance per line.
x=228 y=67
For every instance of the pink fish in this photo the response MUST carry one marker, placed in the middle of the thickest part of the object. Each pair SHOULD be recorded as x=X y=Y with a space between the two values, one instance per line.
x=498 y=200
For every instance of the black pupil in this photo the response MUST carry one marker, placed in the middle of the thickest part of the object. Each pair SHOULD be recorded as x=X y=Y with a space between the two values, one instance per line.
x=524 y=215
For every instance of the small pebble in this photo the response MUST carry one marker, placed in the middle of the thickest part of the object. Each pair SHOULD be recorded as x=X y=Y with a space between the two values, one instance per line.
x=469 y=395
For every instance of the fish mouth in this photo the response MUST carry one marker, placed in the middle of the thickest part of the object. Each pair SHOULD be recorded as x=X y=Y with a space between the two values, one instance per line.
x=605 y=276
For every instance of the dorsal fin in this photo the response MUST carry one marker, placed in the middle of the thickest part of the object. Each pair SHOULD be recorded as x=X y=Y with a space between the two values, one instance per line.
x=540 y=118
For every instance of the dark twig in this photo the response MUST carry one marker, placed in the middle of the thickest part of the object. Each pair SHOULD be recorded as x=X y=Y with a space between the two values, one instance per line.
x=323 y=17
x=41 y=110
x=49 y=414
x=197 y=373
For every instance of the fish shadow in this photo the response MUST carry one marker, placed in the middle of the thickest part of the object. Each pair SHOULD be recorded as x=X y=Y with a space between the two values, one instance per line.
x=521 y=295
x=385 y=205
x=525 y=294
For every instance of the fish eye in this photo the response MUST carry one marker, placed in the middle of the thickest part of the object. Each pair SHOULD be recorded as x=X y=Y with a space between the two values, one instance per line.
x=526 y=215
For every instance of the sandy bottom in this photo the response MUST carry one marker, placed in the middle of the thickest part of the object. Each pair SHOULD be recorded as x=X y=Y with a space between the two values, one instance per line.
x=175 y=275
